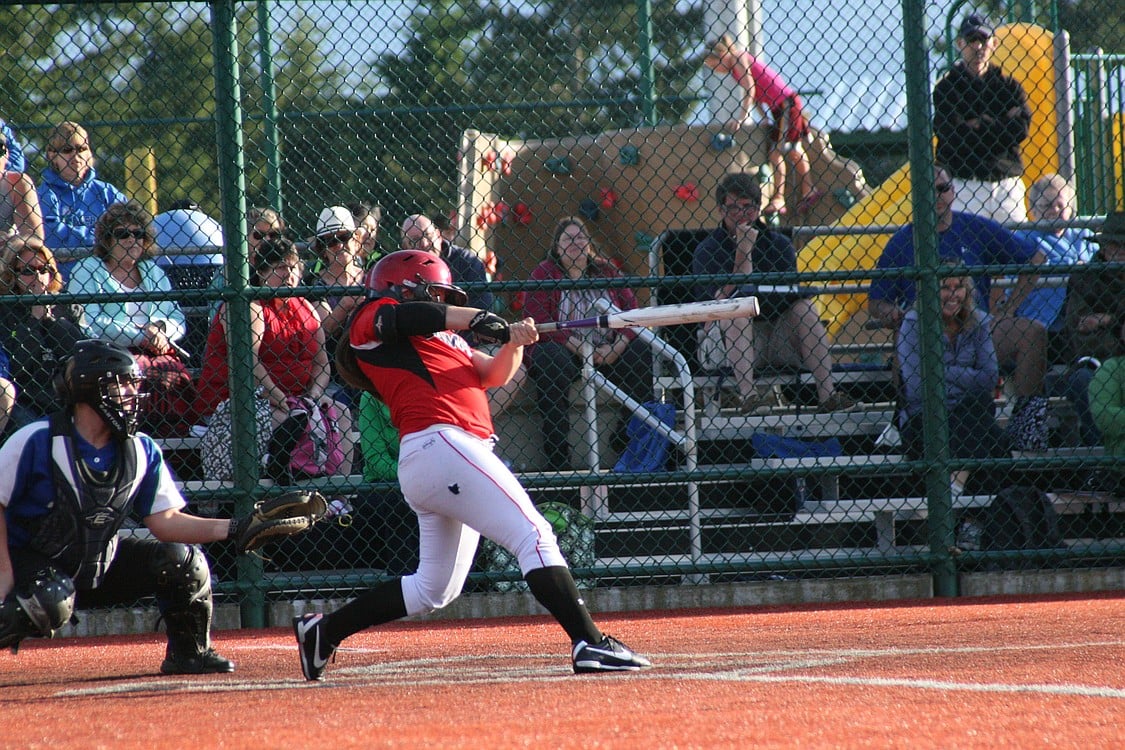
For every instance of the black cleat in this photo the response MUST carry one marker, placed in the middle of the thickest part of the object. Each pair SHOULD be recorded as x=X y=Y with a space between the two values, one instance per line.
x=208 y=662
x=314 y=649
x=608 y=655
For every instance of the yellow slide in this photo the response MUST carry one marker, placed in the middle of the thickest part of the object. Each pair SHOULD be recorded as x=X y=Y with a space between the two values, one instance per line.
x=1026 y=52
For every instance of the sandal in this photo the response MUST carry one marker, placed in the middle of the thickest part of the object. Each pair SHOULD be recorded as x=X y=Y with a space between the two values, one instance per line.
x=806 y=204
x=759 y=403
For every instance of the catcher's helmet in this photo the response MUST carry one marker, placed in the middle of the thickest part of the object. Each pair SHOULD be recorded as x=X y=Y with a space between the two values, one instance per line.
x=420 y=273
x=104 y=376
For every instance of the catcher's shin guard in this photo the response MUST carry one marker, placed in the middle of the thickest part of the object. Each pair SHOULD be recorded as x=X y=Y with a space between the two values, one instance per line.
x=183 y=592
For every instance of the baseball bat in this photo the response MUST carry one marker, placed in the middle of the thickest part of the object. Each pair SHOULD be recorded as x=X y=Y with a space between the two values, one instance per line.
x=664 y=315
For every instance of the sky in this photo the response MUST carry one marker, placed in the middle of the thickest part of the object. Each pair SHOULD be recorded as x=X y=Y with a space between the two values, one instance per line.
x=849 y=51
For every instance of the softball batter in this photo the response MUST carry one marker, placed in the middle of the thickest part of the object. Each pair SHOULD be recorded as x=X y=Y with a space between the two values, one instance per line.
x=400 y=346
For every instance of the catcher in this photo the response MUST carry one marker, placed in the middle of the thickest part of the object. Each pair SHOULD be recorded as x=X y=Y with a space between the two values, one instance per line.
x=67 y=485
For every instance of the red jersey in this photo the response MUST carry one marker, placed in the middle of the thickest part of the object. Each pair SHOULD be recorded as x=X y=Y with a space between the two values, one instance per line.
x=425 y=380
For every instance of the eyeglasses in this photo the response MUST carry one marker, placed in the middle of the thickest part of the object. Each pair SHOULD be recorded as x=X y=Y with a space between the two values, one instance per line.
x=123 y=233
x=30 y=270
x=745 y=207
x=944 y=187
x=69 y=149
x=3 y=148
x=273 y=234
x=335 y=240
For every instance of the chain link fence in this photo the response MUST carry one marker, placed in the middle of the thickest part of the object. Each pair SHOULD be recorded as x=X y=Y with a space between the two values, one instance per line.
x=213 y=180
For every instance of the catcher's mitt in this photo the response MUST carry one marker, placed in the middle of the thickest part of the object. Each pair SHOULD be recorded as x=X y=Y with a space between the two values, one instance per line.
x=277 y=517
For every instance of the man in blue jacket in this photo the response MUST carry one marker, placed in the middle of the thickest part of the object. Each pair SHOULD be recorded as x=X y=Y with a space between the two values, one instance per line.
x=977 y=241
x=71 y=196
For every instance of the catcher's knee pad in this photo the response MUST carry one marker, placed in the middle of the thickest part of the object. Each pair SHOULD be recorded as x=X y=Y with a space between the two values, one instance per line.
x=47 y=600
x=182 y=574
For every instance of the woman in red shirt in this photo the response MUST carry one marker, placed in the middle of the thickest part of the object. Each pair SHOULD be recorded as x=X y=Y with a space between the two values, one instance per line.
x=290 y=359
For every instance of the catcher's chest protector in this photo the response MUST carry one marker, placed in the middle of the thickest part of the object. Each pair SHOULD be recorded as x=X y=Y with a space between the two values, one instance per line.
x=79 y=533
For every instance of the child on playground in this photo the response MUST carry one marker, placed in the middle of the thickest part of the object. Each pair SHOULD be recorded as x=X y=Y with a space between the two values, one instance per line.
x=764 y=87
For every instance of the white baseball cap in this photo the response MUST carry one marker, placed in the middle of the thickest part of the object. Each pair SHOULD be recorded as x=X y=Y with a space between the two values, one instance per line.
x=334 y=219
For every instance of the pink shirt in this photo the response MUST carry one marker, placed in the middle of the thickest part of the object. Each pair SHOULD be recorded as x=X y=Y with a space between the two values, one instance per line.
x=770 y=88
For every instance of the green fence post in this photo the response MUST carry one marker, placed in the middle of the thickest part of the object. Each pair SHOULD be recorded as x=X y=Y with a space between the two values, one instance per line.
x=644 y=42
x=926 y=258
x=232 y=189
x=269 y=100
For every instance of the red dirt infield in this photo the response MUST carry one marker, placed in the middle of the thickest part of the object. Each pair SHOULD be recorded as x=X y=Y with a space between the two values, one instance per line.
x=966 y=673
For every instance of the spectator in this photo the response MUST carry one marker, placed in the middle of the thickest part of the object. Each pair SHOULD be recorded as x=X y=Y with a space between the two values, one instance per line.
x=1095 y=312
x=981 y=118
x=122 y=264
x=19 y=203
x=262 y=224
x=788 y=331
x=36 y=336
x=337 y=246
x=555 y=362
x=971 y=371
x=1052 y=199
x=419 y=233
x=16 y=161
x=1107 y=402
x=367 y=218
x=763 y=87
x=287 y=342
x=1021 y=342
x=71 y=196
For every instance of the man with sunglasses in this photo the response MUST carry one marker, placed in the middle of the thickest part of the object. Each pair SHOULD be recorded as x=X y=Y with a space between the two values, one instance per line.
x=977 y=241
x=71 y=196
x=981 y=119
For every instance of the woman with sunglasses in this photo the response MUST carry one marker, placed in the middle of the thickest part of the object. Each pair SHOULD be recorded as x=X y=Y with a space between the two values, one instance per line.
x=36 y=335
x=71 y=196
x=289 y=356
x=19 y=204
x=122 y=265
x=337 y=245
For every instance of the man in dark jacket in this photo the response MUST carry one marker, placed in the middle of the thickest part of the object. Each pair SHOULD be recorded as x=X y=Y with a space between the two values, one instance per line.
x=981 y=118
x=789 y=330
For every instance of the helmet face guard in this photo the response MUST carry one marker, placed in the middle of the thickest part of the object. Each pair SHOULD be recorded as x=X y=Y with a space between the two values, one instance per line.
x=121 y=404
x=435 y=291
x=105 y=377
x=424 y=275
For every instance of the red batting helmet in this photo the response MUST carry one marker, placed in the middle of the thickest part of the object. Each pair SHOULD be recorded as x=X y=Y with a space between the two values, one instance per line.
x=418 y=272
